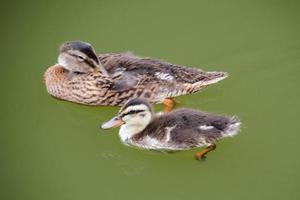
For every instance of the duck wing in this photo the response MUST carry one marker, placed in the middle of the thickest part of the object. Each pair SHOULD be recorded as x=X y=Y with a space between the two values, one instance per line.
x=158 y=70
x=123 y=81
x=155 y=79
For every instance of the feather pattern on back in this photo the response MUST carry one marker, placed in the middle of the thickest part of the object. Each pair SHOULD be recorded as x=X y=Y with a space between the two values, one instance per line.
x=130 y=77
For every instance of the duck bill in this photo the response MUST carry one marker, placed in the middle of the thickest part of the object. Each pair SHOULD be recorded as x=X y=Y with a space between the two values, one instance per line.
x=102 y=70
x=96 y=70
x=114 y=122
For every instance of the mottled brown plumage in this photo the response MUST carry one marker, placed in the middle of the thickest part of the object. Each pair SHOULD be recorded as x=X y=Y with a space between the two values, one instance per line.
x=129 y=77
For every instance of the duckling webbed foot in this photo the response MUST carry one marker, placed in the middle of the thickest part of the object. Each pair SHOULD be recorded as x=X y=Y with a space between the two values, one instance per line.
x=169 y=104
x=201 y=155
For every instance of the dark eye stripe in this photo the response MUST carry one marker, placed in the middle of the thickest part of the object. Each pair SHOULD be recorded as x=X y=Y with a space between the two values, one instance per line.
x=87 y=61
x=132 y=112
x=90 y=63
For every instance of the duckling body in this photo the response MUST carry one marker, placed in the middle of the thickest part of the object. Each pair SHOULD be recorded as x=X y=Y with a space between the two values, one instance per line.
x=181 y=129
x=128 y=76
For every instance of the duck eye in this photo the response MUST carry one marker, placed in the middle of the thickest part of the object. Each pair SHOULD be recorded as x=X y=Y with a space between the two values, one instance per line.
x=80 y=58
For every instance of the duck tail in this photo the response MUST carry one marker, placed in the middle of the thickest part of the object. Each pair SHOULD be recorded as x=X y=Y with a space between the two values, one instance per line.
x=211 y=78
x=214 y=77
x=233 y=128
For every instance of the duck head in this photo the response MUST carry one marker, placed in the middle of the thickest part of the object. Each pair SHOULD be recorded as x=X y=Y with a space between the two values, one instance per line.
x=78 y=56
x=136 y=114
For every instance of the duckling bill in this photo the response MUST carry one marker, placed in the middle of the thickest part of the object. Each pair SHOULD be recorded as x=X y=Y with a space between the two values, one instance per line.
x=181 y=129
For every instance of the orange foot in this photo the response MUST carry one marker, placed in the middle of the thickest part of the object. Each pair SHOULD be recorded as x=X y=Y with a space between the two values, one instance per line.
x=201 y=154
x=169 y=104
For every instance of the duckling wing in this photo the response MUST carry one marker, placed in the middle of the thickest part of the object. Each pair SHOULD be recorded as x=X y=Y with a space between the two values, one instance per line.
x=190 y=128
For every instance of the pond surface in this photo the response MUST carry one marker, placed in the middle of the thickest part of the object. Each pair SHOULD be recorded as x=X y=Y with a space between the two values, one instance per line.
x=52 y=149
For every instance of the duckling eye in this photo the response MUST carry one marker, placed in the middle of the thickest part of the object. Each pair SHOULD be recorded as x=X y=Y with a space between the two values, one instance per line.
x=133 y=112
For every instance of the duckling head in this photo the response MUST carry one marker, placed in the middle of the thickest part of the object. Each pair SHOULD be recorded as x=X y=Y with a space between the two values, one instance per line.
x=135 y=115
x=78 y=56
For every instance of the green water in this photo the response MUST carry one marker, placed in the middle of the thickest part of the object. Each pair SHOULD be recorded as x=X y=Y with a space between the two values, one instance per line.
x=53 y=149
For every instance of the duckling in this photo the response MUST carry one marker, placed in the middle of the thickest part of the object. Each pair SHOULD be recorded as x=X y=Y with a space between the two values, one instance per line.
x=181 y=129
x=112 y=79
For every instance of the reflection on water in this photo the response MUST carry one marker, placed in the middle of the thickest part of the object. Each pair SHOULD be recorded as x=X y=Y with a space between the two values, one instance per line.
x=128 y=166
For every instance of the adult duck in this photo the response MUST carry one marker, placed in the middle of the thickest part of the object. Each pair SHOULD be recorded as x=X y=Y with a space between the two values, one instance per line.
x=112 y=79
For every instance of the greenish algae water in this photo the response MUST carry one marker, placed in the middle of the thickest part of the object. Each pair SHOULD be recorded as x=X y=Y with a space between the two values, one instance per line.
x=53 y=149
